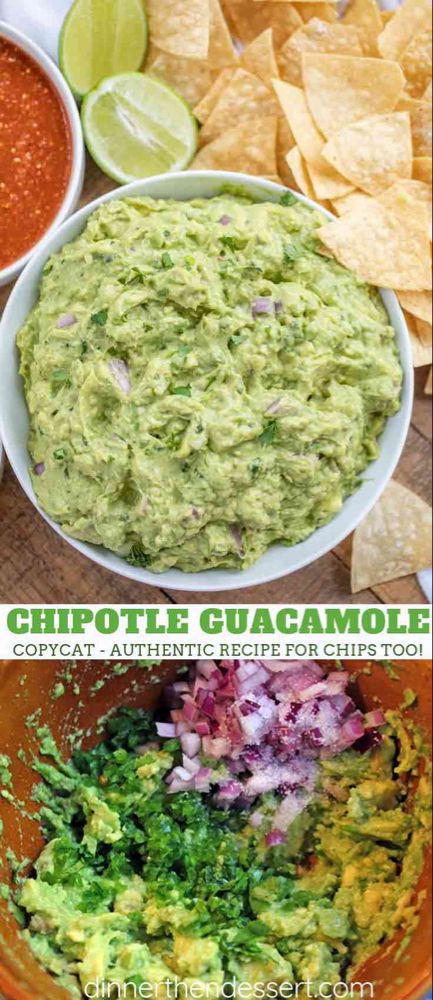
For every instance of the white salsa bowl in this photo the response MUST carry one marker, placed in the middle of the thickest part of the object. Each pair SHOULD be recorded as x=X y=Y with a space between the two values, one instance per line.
x=78 y=158
x=280 y=560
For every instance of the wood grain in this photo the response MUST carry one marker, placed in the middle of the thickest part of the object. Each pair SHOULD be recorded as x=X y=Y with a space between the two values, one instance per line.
x=37 y=567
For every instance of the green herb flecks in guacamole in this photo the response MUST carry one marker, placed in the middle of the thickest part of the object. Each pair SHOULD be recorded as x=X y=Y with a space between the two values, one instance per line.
x=139 y=886
x=203 y=381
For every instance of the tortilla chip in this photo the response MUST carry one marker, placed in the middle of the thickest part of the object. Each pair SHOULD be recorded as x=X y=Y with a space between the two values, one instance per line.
x=428 y=388
x=249 y=148
x=413 y=189
x=221 y=49
x=386 y=16
x=244 y=98
x=373 y=153
x=177 y=73
x=418 y=304
x=427 y=95
x=393 y=541
x=342 y=89
x=421 y=353
x=424 y=331
x=285 y=142
x=247 y=20
x=412 y=17
x=422 y=169
x=210 y=100
x=317 y=36
x=327 y=183
x=259 y=58
x=365 y=14
x=421 y=124
x=416 y=62
x=405 y=191
x=325 y=11
x=385 y=244
x=298 y=115
x=298 y=168
x=349 y=202
x=182 y=29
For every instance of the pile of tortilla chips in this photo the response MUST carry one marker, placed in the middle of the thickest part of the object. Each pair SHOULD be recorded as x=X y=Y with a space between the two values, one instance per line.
x=338 y=108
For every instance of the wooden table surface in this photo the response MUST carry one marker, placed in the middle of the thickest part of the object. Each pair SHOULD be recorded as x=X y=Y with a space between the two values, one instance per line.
x=37 y=567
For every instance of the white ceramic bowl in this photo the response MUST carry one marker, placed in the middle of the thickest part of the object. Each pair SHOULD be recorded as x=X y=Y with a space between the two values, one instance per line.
x=14 y=422
x=75 y=185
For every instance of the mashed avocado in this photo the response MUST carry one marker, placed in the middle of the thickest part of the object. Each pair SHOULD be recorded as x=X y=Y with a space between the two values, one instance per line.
x=142 y=887
x=203 y=381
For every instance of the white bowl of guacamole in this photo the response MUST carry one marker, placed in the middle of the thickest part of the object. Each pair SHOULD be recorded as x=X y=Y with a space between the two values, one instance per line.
x=201 y=399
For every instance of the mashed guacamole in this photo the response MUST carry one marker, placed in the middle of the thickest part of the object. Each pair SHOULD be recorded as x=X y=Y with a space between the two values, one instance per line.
x=203 y=381
x=142 y=887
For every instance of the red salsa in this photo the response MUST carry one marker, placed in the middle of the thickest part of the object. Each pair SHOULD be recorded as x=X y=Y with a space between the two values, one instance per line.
x=35 y=153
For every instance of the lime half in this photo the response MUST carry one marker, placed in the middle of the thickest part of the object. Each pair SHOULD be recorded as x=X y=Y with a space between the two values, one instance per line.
x=100 y=38
x=135 y=127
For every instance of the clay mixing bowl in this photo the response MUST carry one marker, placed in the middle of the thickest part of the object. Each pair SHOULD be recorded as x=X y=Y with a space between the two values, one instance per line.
x=27 y=687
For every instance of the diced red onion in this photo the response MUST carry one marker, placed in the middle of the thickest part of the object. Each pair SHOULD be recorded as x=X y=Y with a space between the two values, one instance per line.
x=237 y=535
x=39 y=469
x=353 y=728
x=178 y=785
x=216 y=748
x=191 y=764
x=225 y=220
x=68 y=319
x=206 y=668
x=269 y=722
x=262 y=306
x=208 y=704
x=256 y=819
x=190 y=710
x=275 y=838
x=181 y=728
x=120 y=373
x=375 y=719
x=274 y=407
x=181 y=687
x=167 y=730
x=191 y=744
x=230 y=791
x=182 y=773
x=246 y=669
x=204 y=774
x=203 y=728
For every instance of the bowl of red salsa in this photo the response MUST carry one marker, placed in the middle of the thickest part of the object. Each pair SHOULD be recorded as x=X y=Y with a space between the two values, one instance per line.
x=41 y=150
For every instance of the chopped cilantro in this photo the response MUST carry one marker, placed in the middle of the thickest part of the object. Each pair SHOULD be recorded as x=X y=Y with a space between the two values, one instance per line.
x=288 y=199
x=100 y=318
x=182 y=390
x=229 y=241
x=166 y=261
x=291 y=253
x=268 y=435
x=138 y=557
x=60 y=375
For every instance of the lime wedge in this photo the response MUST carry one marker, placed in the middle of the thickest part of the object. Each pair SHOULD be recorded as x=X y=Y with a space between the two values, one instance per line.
x=135 y=127
x=100 y=38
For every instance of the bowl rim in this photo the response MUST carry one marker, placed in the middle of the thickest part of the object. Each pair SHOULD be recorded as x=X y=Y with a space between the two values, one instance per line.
x=208 y=581
x=73 y=191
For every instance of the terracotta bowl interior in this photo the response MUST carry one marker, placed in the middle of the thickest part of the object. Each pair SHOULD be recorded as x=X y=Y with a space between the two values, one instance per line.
x=26 y=687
